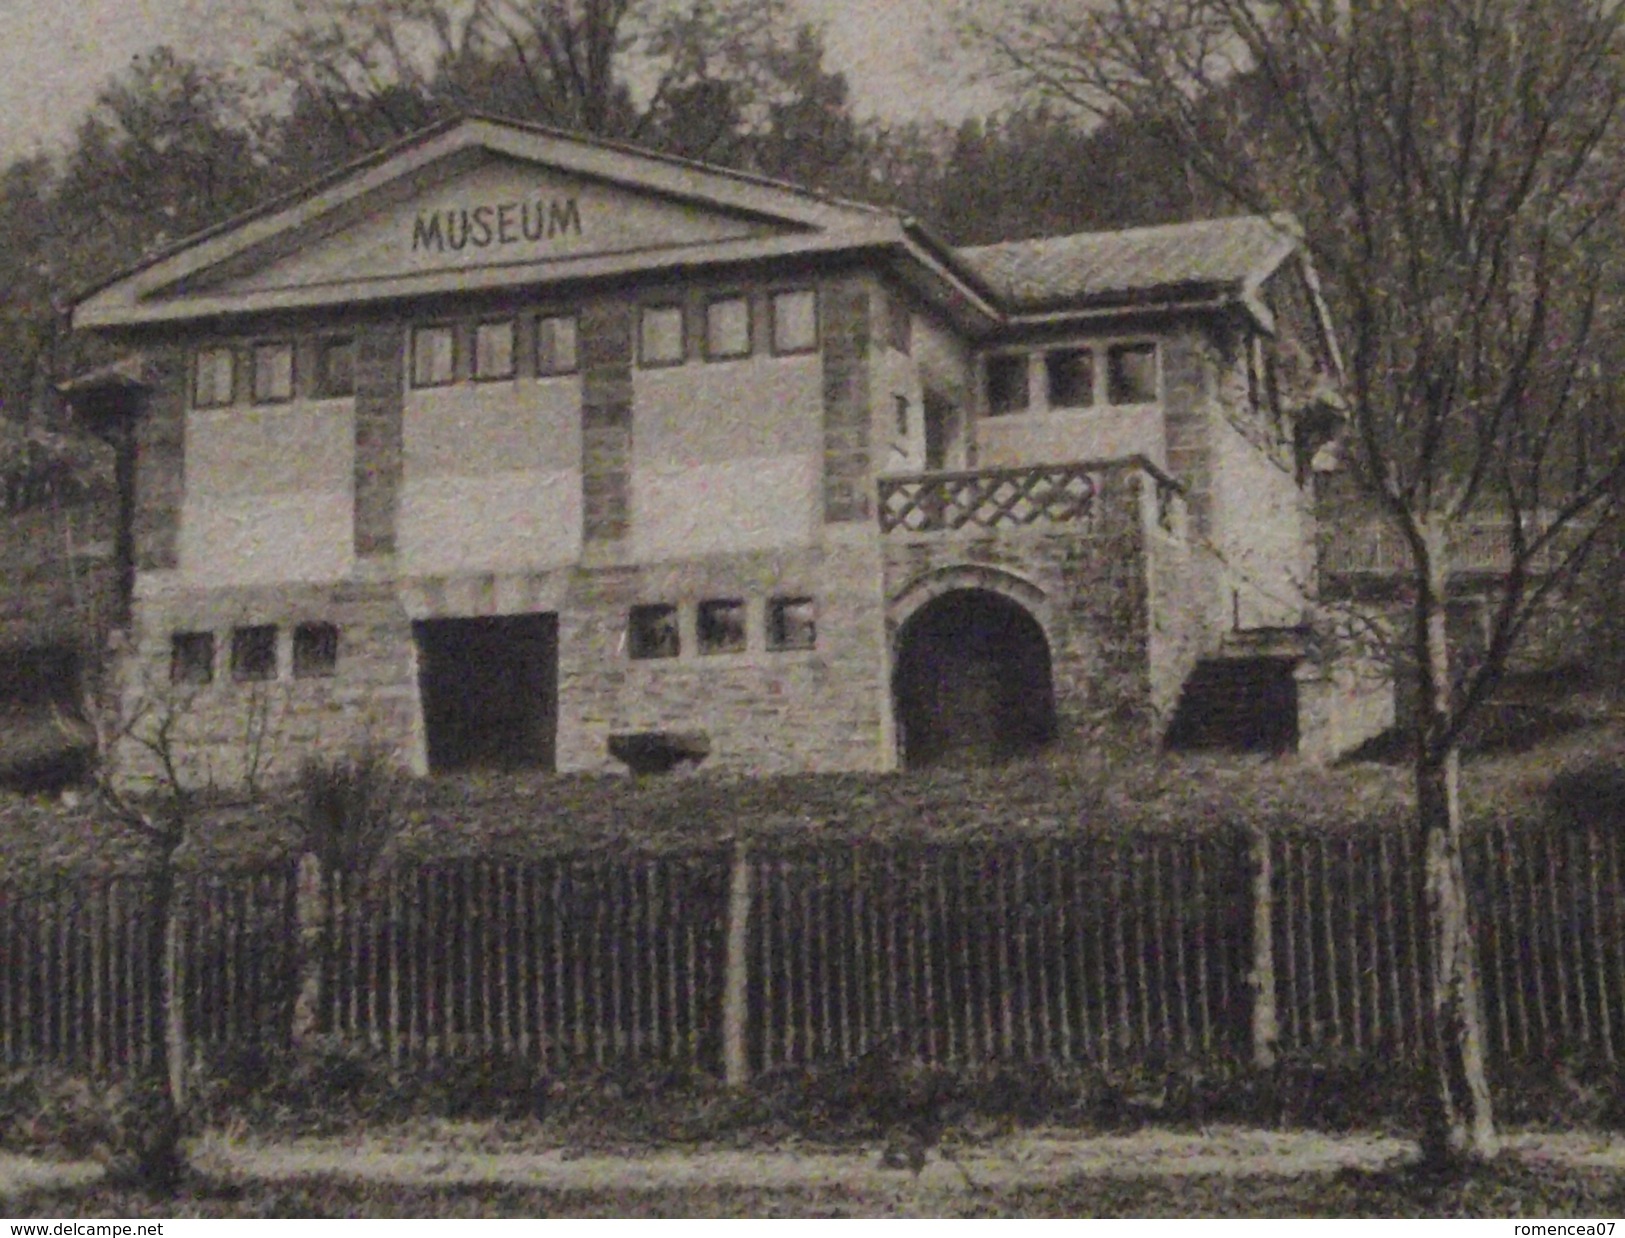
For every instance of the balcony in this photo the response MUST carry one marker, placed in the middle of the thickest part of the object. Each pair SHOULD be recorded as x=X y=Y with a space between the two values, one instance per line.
x=1374 y=551
x=988 y=499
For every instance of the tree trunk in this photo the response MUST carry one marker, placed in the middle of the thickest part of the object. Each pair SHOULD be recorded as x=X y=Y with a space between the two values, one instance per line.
x=1458 y=1122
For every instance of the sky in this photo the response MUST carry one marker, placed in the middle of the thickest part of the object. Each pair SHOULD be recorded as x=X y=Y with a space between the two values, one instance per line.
x=897 y=55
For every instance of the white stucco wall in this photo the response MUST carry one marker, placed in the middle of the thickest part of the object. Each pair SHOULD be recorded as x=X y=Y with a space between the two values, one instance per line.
x=1260 y=528
x=269 y=494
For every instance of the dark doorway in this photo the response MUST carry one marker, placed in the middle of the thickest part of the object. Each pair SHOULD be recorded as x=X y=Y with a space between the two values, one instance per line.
x=972 y=681
x=490 y=691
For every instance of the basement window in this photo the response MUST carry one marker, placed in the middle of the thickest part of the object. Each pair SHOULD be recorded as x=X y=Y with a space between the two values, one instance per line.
x=191 y=658
x=795 y=321
x=792 y=623
x=273 y=372
x=1007 y=384
x=722 y=626
x=253 y=653
x=727 y=329
x=556 y=345
x=660 y=335
x=652 y=632
x=434 y=356
x=212 y=384
x=493 y=351
x=1131 y=373
x=315 y=650
x=335 y=368
x=1071 y=376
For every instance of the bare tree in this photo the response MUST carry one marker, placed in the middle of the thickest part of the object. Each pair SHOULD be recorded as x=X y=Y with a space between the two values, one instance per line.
x=1455 y=166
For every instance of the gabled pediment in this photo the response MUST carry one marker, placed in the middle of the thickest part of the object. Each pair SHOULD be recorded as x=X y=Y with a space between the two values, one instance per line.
x=480 y=204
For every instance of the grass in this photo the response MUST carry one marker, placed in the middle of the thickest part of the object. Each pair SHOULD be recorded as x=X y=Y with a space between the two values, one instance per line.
x=1507 y=1188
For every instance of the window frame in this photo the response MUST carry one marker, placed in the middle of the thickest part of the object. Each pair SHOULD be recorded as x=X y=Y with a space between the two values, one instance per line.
x=645 y=312
x=322 y=631
x=1109 y=349
x=474 y=371
x=1025 y=361
x=326 y=345
x=706 y=617
x=636 y=647
x=419 y=330
x=778 y=607
x=1089 y=351
x=230 y=354
x=731 y=298
x=779 y=349
x=545 y=367
x=278 y=345
x=179 y=645
x=241 y=636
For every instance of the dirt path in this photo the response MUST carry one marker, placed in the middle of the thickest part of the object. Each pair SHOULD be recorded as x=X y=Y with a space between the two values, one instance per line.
x=453 y=1157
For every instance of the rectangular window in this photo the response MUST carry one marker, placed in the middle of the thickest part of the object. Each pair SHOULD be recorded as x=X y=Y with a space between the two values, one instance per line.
x=1007 y=384
x=660 y=335
x=652 y=632
x=1071 y=376
x=727 y=328
x=434 y=356
x=722 y=626
x=493 y=350
x=315 y=650
x=335 y=368
x=556 y=344
x=795 y=321
x=253 y=653
x=191 y=657
x=792 y=623
x=273 y=373
x=1131 y=373
x=213 y=384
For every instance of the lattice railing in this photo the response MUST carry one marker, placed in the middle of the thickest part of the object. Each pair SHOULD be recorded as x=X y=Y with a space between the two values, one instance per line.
x=986 y=498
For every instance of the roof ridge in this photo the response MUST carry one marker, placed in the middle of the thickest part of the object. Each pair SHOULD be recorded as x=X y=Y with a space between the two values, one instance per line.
x=1282 y=220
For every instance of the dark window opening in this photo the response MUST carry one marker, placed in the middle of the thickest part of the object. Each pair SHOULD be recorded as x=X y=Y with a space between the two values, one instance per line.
x=335 y=368
x=792 y=623
x=1071 y=376
x=722 y=626
x=652 y=632
x=191 y=657
x=1006 y=384
x=315 y=650
x=253 y=653
x=490 y=691
x=972 y=681
x=1131 y=373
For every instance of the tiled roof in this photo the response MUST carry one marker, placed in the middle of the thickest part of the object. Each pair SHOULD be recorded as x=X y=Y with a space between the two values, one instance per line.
x=1209 y=257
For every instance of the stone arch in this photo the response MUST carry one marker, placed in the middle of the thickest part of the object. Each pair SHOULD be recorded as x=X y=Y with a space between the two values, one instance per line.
x=972 y=674
x=922 y=590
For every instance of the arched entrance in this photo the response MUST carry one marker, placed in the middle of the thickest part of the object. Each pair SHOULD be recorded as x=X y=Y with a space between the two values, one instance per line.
x=971 y=681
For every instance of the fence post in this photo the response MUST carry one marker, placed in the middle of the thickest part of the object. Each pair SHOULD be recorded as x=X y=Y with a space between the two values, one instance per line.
x=1261 y=978
x=735 y=991
x=310 y=928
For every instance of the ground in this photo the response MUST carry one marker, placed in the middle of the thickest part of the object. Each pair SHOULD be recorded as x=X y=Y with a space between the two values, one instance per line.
x=479 y=1169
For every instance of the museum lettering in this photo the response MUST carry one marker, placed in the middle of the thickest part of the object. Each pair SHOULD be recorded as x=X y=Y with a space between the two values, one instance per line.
x=501 y=223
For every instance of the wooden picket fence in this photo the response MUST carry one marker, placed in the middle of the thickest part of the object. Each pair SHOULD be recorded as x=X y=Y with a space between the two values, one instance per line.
x=1134 y=949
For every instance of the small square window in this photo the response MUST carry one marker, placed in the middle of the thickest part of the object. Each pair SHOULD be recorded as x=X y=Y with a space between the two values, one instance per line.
x=493 y=350
x=434 y=356
x=1007 y=384
x=795 y=321
x=213 y=385
x=253 y=653
x=273 y=373
x=556 y=344
x=191 y=657
x=652 y=632
x=727 y=328
x=722 y=626
x=315 y=650
x=660 y=335
x=1131 y=373
x=335 y=368
x=792 y=623
x=1071 y=376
